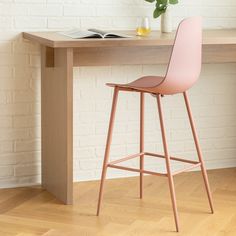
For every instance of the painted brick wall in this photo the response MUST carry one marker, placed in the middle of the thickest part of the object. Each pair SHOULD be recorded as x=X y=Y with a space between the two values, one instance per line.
x=212 y=98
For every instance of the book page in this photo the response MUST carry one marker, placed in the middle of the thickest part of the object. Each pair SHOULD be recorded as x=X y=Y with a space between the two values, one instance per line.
x=92 y=33
x=105 y=34
x=97 y=31
x=79 y=34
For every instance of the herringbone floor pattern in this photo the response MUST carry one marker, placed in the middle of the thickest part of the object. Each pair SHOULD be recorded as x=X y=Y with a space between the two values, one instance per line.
x=33 y=211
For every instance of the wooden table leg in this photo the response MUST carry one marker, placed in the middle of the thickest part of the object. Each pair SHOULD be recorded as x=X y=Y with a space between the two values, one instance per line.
x=57 y=122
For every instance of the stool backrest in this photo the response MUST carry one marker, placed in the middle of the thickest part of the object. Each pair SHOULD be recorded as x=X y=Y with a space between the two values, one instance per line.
x=186 y=58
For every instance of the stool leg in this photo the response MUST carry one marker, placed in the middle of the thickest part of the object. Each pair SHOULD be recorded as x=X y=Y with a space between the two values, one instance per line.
x=108 y=144
x=141 y=141
x=167 y=158
x=195 y=137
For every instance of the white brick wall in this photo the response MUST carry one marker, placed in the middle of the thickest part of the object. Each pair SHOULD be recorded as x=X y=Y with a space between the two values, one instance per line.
x=213 y=98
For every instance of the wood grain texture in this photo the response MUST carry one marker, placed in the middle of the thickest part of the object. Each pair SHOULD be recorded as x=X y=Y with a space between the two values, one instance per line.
x=55 y=40
x=33 y=211
x=121 y=56
x=57 y=124
x=146 y=55
x=219 y=46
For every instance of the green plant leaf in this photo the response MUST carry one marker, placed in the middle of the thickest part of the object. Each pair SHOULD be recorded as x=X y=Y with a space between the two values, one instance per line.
x=173 y=1
x=161 y=6
x=157 y=12
x=162 y=2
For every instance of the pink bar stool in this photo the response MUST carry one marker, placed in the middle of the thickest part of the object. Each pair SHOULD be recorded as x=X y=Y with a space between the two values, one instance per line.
x=183 y=71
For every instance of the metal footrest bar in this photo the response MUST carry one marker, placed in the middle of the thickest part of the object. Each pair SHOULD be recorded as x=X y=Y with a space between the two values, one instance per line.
x=112 y=164
x=127 y=158
x=187 y=168
x=153 y=155
x=172 y=158
x=136 y=170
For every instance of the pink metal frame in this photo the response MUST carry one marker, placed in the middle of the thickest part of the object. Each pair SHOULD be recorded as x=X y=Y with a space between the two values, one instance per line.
x=141 y=142
x=169 y=174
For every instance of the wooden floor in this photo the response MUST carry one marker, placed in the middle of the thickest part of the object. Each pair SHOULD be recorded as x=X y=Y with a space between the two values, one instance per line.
x=33 y=211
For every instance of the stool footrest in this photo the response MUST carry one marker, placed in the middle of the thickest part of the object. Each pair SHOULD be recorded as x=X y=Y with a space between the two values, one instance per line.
x=136 y=170
x=127 y=158
x=187 y=168
x=112 y=164
x=172 y=158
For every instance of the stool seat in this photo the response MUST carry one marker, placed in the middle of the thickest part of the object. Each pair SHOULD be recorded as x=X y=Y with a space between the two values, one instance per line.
x=147 y=84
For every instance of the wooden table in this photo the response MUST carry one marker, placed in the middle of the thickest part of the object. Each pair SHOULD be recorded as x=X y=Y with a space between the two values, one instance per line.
x=59 y=55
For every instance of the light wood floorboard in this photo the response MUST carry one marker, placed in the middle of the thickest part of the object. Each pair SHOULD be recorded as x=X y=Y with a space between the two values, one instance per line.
x=33 y=212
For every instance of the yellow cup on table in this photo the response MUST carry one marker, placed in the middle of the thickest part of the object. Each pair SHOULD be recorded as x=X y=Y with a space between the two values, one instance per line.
x=143 y=26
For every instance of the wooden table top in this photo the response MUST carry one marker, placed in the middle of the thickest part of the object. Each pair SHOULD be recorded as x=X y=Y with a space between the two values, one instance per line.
x=156 y=38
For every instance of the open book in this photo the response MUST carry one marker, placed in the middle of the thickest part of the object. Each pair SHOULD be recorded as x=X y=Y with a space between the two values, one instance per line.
x=92 y=33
